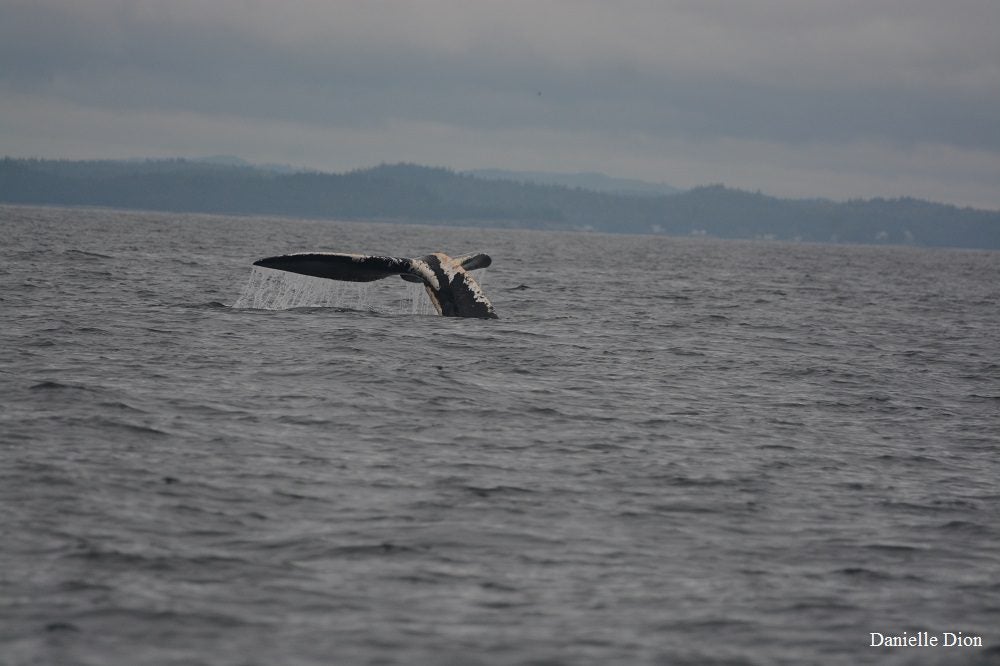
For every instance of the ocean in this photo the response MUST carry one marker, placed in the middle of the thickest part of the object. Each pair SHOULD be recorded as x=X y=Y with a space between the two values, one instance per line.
x=665 y=451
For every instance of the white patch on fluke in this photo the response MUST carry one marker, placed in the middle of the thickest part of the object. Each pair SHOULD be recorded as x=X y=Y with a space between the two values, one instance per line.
x=424 y=271
x=477 y=292
x=453 y=268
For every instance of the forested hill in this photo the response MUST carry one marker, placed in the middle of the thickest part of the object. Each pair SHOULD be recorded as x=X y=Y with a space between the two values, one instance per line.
x=435 y=195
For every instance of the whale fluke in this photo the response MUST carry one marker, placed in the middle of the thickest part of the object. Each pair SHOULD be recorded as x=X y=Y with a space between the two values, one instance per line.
x=347 y=267
x=452 y=290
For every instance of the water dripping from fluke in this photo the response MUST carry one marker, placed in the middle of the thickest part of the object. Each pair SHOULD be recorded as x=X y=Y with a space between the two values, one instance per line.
x=268 y=289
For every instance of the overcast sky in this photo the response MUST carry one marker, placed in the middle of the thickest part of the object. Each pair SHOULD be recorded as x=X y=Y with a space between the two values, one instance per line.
x=837 y=98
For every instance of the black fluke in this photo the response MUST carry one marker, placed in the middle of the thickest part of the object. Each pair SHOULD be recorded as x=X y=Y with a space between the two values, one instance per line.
x=452 y=290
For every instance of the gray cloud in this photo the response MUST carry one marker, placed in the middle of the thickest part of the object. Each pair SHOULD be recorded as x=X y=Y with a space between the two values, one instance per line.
x=601 y=83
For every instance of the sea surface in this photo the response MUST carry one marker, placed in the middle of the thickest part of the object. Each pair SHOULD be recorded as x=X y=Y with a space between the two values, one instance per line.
x=665 y=451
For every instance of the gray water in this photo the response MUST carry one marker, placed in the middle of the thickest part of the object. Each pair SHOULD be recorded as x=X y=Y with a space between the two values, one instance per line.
x=677 y=451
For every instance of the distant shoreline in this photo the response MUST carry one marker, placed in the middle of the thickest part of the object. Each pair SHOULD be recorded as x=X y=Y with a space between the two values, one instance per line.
x=413 y=194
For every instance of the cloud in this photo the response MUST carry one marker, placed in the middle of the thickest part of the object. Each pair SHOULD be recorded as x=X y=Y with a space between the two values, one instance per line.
x=796 y=85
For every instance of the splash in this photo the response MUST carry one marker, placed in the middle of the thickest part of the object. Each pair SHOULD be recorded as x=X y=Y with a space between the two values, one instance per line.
x=268 y=289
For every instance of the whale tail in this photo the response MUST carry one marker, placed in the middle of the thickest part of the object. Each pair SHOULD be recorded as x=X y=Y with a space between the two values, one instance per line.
x=450 y=286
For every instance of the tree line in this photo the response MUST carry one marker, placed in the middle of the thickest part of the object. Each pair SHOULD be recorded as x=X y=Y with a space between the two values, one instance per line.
x=413 y=193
